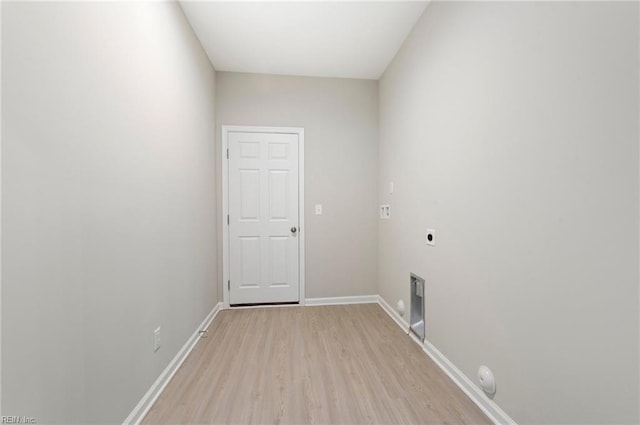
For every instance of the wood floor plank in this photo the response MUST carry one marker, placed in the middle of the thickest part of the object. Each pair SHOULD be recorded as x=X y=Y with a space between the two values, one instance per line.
x=312 y=365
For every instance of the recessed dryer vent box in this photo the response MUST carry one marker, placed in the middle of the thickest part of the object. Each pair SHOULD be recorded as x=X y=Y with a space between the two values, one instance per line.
x=417 y=306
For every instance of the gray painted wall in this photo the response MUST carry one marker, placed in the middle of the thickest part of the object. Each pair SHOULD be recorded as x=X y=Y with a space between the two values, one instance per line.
x=108 y=197
x=340 y=121
x=512 y=130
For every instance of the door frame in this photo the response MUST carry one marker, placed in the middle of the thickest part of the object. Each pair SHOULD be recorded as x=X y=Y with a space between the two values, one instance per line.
x=226 y=129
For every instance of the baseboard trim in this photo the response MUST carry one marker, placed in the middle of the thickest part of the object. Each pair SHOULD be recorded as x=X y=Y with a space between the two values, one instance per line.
x=488 y=406
x=475 y=394
x=394 y=315
x=144 y=405
x=363 y=299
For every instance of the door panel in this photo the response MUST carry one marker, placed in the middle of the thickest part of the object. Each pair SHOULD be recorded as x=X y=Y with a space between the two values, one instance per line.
x=250 y=259
x=249 y=195
x=263 y=210
x=278 y=261
x=278 y=190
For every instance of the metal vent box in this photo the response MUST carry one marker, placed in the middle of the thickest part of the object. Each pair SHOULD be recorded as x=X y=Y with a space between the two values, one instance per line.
x=417 y=306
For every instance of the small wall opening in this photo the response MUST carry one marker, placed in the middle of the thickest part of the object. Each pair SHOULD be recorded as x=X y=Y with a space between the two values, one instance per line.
x=417 y=306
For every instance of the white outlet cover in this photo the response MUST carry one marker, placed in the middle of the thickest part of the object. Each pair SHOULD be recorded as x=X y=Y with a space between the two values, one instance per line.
x=318 y=209
x=430 y=237
x=385 y=212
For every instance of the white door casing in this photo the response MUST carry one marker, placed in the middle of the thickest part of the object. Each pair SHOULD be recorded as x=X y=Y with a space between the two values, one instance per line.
x=264 y=232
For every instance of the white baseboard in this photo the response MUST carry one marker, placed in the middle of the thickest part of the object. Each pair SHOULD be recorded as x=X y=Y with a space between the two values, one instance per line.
x=488 y=406
x=140 y=411
x=393 y=314
x=363 y=299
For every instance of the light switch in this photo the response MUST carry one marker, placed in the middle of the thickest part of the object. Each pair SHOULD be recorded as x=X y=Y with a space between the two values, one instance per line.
x=318 y=209
x=390 y=187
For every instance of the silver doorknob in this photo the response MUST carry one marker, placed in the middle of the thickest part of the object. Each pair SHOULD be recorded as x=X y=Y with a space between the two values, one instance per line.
x=293 y=230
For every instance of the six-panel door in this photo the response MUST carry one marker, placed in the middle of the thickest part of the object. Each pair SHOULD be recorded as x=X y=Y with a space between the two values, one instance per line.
x=263 y=218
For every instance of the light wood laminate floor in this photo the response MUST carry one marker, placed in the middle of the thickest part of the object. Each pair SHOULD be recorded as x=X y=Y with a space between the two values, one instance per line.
x=318 y=365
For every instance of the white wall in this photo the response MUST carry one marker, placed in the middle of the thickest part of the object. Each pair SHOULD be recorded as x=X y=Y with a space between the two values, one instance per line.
x=512 y=130
x=108 y=198
x=340 y=121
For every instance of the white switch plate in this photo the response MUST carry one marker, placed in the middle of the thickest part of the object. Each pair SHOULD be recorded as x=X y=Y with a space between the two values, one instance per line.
x=156 y=339
x=390 y=187
x=430 y=237
x=318 y=209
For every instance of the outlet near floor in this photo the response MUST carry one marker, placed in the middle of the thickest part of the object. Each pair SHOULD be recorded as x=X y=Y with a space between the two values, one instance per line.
x=156 y=339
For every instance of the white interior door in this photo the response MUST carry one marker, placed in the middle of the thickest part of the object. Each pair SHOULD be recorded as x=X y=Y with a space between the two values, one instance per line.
x=263 y=218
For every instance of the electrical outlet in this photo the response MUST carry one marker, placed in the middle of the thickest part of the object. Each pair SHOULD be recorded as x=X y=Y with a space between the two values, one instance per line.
x=318 y=209
x=385 y=212
x=156 y=339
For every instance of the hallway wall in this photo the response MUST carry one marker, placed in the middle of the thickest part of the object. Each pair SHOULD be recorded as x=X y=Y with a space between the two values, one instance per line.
x=511 y=128
x=108 y=198
x=340 y=119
